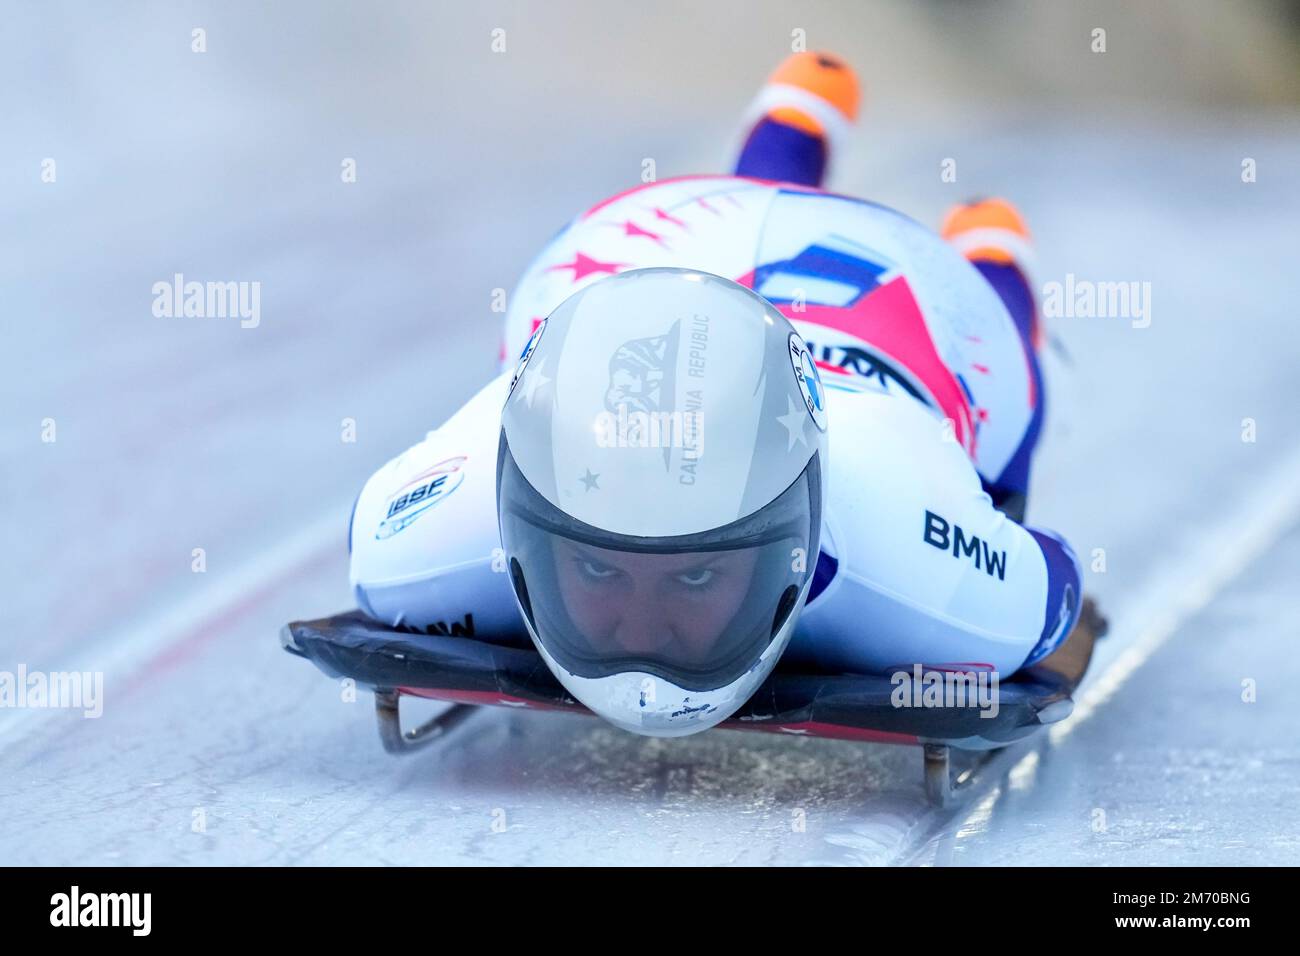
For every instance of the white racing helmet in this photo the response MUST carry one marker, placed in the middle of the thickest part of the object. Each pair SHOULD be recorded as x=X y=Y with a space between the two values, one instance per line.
x=659 y=487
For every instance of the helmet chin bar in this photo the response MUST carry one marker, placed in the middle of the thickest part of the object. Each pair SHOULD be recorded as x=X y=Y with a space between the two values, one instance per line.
x=662 y=708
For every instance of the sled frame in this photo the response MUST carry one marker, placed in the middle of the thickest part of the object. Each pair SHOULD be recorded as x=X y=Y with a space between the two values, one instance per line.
x=943 y=787
x=398 y=741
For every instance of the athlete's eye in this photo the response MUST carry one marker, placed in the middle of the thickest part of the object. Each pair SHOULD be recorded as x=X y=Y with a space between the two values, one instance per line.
x=595 y=570
x=697 y=578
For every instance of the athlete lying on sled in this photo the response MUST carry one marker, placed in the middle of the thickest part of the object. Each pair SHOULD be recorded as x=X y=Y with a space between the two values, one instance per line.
x=649 y=492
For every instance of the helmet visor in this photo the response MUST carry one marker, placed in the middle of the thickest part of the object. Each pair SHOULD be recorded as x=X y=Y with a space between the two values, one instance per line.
x=698 y=610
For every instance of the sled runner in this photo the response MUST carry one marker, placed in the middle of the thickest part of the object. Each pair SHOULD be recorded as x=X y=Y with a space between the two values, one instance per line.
x=468 y=672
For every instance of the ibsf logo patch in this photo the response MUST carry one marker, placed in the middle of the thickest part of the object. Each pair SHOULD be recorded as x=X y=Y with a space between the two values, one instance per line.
x=529 y=348
x=419 y=494
x=810 y=382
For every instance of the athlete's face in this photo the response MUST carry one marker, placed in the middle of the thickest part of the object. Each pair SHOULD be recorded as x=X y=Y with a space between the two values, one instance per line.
x=674 y=606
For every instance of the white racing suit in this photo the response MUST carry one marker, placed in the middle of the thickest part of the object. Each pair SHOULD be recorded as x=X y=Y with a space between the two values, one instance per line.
x=934 y=403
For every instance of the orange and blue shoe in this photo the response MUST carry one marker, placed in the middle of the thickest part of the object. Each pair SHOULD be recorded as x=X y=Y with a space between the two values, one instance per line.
x=989 y=230
x=992 y=234
x=800 y=116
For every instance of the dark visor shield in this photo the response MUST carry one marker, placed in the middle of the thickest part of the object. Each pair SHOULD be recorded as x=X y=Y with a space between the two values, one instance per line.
x=698 y=610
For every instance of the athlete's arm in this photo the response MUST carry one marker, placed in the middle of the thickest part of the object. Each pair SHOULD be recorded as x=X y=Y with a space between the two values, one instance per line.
x=926 y=569
x=425 y=551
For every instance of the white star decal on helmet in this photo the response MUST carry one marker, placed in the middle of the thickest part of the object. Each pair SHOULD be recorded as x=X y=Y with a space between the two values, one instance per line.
x=533 y=380
x=793 y=420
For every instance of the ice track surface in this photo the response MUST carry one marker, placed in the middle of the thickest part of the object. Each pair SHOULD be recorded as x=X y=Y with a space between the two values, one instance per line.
x=217 y=747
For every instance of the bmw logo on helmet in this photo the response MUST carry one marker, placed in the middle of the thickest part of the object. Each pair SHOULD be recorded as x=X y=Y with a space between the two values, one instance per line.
x=810 y=382
x=529 y=347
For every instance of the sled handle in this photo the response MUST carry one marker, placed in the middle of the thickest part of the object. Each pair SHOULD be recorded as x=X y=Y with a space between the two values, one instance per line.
x=397 y=741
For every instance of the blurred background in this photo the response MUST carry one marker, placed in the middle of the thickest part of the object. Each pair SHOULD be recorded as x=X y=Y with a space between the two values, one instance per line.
x=225 y=164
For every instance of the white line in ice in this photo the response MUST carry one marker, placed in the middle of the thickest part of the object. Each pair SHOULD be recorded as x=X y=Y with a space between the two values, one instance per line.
x=1181 y=590
x=1177 y=593
x=123 y=651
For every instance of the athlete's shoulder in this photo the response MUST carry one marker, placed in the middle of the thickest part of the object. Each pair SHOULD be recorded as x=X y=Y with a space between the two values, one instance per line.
x=918 y=549
x=678 y=191
x=709 y=223
x=398 y=523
